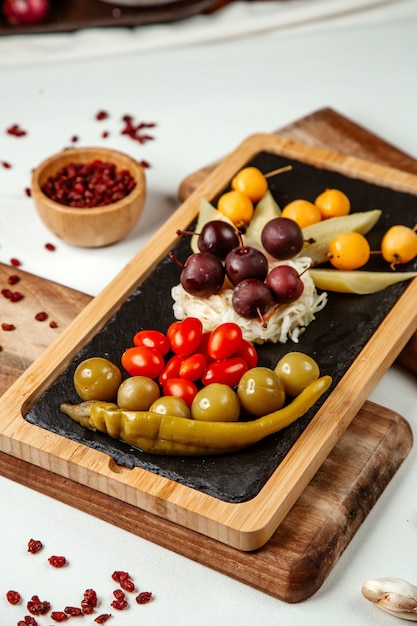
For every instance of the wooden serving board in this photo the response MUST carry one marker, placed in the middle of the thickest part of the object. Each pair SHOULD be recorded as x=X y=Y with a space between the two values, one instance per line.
x=300 y=554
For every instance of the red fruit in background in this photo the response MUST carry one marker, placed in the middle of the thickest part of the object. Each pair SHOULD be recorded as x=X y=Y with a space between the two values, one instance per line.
x=25 y=11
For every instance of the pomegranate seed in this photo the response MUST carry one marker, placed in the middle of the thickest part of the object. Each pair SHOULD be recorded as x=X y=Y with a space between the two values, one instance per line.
x=59 y=616
x=38 y=607
x=16 y=131
x=41 y=316
x=6 y=165
x=7 y=293
x=13 y=279
x=73 y=611
x=144 y=597
x=128 y=585
x=102 y=115
x=6 y=326
x=90 y=596
x=102 y=618
x=15 y=262
x=119 y=605
x=105 y=134
x=34 y=546
x=50 y=247
x=13 y=597
x=53 y=324
x=57 y=561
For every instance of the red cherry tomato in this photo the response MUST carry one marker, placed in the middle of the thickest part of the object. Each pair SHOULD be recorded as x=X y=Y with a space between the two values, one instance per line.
x=248 y=352
x=193 y=366
x=171 y=369
x=224 y=341
x=143 y=361
x=185 y=338
x=172 y=328
x=226 y=372
x=180 y=388
x=152 y=339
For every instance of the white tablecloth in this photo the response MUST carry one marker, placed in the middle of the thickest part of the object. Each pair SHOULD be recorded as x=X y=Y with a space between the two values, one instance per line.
x=207 y=82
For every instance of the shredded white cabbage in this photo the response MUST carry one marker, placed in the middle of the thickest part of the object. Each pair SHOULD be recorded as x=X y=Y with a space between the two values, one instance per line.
x=283 y=322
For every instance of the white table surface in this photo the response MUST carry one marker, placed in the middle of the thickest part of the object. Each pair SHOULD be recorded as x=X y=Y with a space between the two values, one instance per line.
x=205 y=97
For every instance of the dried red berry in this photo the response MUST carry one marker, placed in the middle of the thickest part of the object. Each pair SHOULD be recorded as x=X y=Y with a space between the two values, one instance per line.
x=117 y=576
x=38 y=607
x=118 y=594
x=34 y=545
x=15 y=262
x=127 y=584
x=53 y=324
x=13 y=597
x=6 y=165
x=59 y=616
x=13 y=279
x=102 y=115
x=41 y=316
x=145 y=164
x=57 y=561
x=6 y=293
x=90 y=596
x=74 y=139
x=29 y=620
x=50 y=247
x=74 y=611
x=16 y=296
x=86 y=607
x=144 y=597
x=28 y=192
x=16 y=131
x=119 y=605
x=6 y=326
x=105 y=134
x=102 y=618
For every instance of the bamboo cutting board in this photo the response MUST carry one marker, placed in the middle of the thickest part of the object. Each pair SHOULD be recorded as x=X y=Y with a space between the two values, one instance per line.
x=293 y=564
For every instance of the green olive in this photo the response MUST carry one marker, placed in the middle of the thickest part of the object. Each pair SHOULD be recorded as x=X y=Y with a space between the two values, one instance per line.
x=297 y=370
x=171 y=405
x=97 y=378
x=216 y=403
x=261 y=391
x=137 y=393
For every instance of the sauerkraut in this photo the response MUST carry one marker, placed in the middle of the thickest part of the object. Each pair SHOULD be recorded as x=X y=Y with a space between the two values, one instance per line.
x=283 y=322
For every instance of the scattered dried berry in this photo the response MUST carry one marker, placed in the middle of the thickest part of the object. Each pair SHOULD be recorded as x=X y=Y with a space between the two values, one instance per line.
x=13 y=279
x=59 y=616
x=102 y=618
x=102 y=115
x=29 y=620
x=13 y=597
x=119 y=605
x=74 y=139
x=6 y=326
x=86 y=607
x=143 y=597
x=34 y=546
x=53 y=324
x=38 y=607
x=118 y=576
x=145 y=164
x=50 y=247
x=6 y=165
x=16 y=296
x=57 y=561
x=90 y=596
x=41 y=316
x=28 y=192
x=16 y=131
x=73 y=611
x=15 y=262
x=127 y=584
x=105 y=134
x=6 y=293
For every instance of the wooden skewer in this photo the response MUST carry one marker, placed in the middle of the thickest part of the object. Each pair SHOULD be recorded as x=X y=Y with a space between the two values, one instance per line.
x=286 y=168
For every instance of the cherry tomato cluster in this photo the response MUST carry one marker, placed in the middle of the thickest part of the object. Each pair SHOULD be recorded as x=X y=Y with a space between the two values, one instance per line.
x=186 y=357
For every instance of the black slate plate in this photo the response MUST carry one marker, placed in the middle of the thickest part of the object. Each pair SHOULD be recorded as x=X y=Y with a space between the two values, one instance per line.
x=334 y=339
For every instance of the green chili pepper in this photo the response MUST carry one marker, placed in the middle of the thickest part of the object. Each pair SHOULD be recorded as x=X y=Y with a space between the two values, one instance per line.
x=171 y=435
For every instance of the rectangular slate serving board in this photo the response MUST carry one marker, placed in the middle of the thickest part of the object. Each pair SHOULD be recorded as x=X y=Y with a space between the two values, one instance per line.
x=294 y=563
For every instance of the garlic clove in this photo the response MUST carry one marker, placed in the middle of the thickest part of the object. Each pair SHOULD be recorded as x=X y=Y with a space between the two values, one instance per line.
x=393 y=595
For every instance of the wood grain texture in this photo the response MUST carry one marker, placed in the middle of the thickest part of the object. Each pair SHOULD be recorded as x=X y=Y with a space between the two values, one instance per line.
x=247 y=525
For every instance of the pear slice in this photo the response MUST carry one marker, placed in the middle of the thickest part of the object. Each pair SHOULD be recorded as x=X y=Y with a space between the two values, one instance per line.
x=322 y=233
x=266 y=209
x=356 y=281
x=207 y=213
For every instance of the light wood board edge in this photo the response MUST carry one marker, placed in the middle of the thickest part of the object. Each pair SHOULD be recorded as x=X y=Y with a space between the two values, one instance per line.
x=248 y=525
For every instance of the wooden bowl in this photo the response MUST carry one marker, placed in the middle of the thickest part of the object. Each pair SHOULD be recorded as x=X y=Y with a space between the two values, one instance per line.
x=89 y=227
